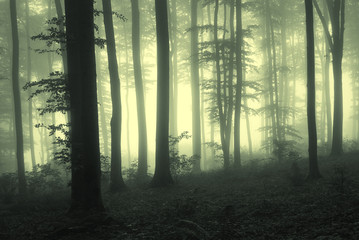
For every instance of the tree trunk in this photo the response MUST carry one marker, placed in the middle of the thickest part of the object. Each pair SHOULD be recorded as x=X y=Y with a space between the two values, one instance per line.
x=218 y=88
x=28 y=75
x=85 y=153
x=237 y=114
x=141 y=112
x=126 y=99
x=162 y=175
x=174 y=85
x=17 y=99
x=103 y=119
x=312 y=130
x=280 y=134
x=196 y=124
x=117 y=184
x=270 y=77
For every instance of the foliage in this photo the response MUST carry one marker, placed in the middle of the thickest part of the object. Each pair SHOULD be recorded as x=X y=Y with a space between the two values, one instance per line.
x=179 y=164
x=8 y=187
x=47 y=179
x=56 y=89
x=215 y=205
x=350 y=145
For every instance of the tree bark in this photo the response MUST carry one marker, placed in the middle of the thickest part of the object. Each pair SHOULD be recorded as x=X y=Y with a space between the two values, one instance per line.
x=85 y=153
x=28 y=75
x=312 y=130
x=162 y=175
x=17 y=100
x=196 y=124
x=237 y=113
x=141 y=112
x=116 y=184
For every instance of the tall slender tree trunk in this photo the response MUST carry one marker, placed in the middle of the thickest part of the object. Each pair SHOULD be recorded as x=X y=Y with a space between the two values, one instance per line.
x=85 y=152
x=213 y=151
x=312 y=130
x=277 y=111
x=270 y=76
x=162 y=175
x=17 y=99
x=203 y=122
x=237 y=114
x=126 y=100
x=218 y=88
x=249 y=135
x=117 y=184
x=196 y=124
x=141 y=112
x=28 y=75
x=103 y=118
x=174 y=89
x=336 y=9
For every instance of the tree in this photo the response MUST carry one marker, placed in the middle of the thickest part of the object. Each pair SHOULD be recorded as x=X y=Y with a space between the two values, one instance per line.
x=28 y=76
x=117 y=184
x=312 y=129
x=141 y=112
x=162 y=175
x=196 y=124
x=17 y=99
x=336 y=9
x=85 y=152
x=237 y=113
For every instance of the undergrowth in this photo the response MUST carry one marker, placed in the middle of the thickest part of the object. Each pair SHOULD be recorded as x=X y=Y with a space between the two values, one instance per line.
x=268 y=201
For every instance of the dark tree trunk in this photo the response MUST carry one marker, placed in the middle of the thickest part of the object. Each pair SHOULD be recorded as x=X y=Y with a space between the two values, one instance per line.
x=116 y=184
x=174 y=85
x=237 y=114
x=141 y=113
x=312 y=129
x=126 y=99
x=196 y=124
x=28 y=75
x=162 y=175
x=218 y=88
x=17 y=99
x=85 y=152
x=336 y=9
x=270 y=77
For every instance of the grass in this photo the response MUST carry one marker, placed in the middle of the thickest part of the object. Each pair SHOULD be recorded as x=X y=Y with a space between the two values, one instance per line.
x=268 y=201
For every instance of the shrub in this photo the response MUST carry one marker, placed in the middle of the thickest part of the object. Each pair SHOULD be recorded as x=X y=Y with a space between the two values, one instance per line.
x=8 y=186
x=46 y=180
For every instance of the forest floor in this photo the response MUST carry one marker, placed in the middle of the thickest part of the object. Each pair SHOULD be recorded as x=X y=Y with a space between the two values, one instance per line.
x=265 y=201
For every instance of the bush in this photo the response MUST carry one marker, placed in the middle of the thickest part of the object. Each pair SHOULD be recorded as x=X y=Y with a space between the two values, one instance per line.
x=8 y=186
x=179 y=164
x=46 y=180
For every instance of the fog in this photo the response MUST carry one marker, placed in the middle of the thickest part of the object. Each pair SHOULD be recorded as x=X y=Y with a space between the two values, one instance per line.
x=254 y=37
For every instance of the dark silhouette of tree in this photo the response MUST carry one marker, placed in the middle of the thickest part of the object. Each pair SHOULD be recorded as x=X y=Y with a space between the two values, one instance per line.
x=85 y=152
x=196 y=124
x=162 y=176
x=28 y=76
x=312 y=129
x=17 y=99
x=237 y=113
x=336 y=9
x=174 y=79
x=141 y=112
x=116 y=184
